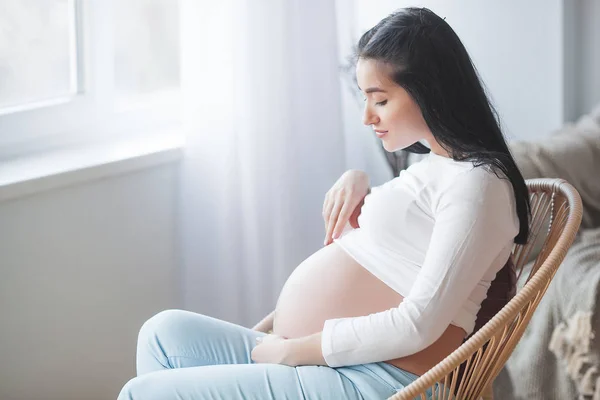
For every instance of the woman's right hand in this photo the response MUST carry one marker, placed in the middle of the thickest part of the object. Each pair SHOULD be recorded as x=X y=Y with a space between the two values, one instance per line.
x=343 y=203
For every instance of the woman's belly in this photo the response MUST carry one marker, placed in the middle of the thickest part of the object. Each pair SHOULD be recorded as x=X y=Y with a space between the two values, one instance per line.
x=328 y=284
x=331 y=284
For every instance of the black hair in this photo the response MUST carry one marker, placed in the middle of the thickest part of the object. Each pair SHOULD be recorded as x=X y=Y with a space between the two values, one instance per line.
x=430 y=62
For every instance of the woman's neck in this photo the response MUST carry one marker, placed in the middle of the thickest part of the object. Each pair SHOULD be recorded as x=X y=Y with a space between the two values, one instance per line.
x=435 y=146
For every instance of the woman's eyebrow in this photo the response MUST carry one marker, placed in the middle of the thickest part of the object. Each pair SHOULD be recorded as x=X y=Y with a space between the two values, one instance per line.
x=373 y=90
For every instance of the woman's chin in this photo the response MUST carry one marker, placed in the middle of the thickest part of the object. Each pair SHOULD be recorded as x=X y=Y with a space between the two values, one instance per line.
x=395 y=145
x=392 y=147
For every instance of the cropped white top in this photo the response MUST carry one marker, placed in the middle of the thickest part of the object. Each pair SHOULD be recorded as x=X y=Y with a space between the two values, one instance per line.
x=437 y=235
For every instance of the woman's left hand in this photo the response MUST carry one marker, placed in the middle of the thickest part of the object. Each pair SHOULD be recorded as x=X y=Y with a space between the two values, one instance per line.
x=272 y=349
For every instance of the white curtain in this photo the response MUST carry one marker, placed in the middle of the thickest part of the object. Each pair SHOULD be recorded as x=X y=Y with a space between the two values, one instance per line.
x=265 y=141
x=363 y=149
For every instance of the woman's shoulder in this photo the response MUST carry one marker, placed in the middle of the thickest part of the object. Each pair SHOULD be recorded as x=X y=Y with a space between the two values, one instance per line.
x=441 y=176
x=477 y=184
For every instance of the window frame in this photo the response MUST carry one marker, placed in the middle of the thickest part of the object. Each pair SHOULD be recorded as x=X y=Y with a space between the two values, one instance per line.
x=93 y=113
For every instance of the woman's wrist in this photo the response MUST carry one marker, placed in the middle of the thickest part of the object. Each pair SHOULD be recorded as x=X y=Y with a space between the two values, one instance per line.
x=305 y=350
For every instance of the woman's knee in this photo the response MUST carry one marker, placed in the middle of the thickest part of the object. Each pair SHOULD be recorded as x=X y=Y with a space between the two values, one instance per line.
x=127 y=392
x=159 y=338
x=169 y=323
x=141 y=388
x=159 y=323
x=172 y=327
x=158 y=332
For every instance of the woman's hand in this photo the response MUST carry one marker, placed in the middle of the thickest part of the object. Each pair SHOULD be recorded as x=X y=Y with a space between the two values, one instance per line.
x=271 y=349
x=343 y=203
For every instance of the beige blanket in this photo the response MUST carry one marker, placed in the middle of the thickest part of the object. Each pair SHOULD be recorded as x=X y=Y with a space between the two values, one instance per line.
x=571 y=153
x=558 y=357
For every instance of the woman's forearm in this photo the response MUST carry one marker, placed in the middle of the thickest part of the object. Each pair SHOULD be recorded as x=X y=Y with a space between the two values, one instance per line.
x=266 y=324
x=306 y=350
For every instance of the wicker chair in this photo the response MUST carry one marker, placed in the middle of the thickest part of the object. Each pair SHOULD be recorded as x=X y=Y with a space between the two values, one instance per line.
x=556 y=204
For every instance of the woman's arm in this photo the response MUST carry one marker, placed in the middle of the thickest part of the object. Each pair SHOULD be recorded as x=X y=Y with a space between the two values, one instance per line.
x=306 y=350
x=475 y=224
x=266 y=324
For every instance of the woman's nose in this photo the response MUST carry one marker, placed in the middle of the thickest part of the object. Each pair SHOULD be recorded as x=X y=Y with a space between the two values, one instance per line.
x=369 y=118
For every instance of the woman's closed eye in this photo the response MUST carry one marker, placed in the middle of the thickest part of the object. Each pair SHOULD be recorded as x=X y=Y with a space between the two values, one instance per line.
x=380 y=103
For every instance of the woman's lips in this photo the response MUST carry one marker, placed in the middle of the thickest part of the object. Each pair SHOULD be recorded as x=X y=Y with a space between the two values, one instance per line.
x=380 y=134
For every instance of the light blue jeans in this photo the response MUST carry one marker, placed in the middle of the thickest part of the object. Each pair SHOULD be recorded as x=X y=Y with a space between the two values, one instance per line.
x=187 y=356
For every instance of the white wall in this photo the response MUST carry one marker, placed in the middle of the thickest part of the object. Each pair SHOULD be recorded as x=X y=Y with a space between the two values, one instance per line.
x=81 y=268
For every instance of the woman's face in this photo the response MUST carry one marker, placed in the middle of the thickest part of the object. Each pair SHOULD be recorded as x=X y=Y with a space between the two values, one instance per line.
x=389 y=109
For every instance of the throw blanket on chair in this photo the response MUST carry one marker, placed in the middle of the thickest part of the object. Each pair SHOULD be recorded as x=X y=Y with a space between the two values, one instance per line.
x=558 y=356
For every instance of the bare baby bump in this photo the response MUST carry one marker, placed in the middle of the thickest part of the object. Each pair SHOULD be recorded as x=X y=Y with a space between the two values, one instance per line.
x=329 y=284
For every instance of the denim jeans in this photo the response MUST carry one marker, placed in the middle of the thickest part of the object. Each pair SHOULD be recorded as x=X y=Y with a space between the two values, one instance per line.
x=187 y=356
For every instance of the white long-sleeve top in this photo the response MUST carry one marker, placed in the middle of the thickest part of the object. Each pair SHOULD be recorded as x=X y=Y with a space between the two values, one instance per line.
x=437 y=235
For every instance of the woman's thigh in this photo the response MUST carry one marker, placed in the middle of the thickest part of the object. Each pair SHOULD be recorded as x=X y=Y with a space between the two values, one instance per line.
x=250 y=381
x=184 y=355
x=182 y=339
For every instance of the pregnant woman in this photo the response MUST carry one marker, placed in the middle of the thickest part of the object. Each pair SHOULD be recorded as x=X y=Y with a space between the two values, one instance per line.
x=406 y=265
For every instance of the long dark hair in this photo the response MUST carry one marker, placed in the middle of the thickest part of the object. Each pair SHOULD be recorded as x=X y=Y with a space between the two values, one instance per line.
x=430 y=62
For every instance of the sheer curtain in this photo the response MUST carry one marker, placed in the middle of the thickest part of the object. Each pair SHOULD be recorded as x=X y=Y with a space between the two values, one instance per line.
x=363 y=149
x=264 y=142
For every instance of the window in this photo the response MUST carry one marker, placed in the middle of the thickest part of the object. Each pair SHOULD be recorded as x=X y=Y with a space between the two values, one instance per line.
x=74 y=71
x=38 y=57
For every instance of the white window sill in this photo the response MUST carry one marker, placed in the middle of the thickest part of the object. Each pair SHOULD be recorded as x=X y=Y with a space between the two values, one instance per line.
x=26 y=176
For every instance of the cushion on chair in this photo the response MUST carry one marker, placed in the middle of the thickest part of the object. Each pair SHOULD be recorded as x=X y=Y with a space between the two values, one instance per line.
x=502 y=289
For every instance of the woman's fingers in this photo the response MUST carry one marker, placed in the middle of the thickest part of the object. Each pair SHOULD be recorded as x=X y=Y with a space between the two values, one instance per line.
x=327 y=207
x=335 y=211
x=341 y=220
